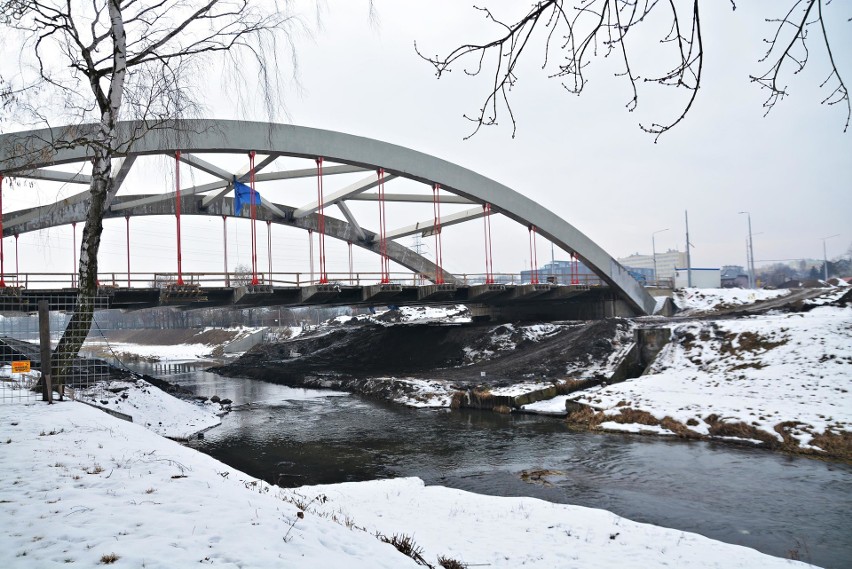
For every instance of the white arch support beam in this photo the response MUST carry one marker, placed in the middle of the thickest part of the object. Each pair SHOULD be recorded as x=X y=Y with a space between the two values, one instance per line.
x=426 y=227
x=281 y=175
x=205 y=166
x=26 y=151
x=55 y=176
x=169 y=196
x=124 y=166
x=245 y=171
x=352 y=189
x=241 y=176
x=413 y=198
x=347 y=213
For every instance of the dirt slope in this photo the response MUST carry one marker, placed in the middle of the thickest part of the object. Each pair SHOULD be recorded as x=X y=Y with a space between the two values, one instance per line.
x=455 y=353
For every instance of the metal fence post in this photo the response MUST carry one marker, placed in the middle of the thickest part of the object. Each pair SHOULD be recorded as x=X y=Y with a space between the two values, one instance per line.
x=44 y=340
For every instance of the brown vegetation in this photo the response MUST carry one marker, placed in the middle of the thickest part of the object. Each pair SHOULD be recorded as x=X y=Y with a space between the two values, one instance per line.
x=836 y=445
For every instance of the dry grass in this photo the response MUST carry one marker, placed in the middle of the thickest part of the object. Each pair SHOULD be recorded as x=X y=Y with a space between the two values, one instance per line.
x=836 y=445
x=449 y=563
x=748 y=342
x=109 y=558
x=584 y=417
x=719 y=428
x=679 y=429
x=635 y=416
x=405 y=545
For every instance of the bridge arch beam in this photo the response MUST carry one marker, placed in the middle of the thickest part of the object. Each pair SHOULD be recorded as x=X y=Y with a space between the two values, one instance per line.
x=24 y=151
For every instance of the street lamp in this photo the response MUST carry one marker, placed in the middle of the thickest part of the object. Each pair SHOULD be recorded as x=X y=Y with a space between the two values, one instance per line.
x=751 y=281
x=824 y=256
x=654 y=252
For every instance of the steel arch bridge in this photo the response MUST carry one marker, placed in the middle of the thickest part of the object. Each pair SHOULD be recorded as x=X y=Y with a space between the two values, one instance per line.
x=30 y=154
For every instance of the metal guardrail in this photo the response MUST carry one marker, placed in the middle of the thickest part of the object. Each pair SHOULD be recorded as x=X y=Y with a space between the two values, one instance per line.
x=237 y=279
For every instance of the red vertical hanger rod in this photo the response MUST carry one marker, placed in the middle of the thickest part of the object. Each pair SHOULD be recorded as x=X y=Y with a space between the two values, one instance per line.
x=253 y=210
x=323 y=275
x=439 y=256
x=177 y=216
x=489 y=264
x=383 y=242
x=533 y=256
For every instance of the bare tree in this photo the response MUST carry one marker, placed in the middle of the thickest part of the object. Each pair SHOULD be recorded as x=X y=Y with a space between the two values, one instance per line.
x=103 y=61
x=573 y=33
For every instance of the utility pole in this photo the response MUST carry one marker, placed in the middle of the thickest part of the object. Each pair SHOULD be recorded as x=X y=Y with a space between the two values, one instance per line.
x=418 y=246
x=688 y=258
x=824 y=255
x=752 y=281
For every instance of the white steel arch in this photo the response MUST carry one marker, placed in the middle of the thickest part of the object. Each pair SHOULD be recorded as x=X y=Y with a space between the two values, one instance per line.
x=25 y=154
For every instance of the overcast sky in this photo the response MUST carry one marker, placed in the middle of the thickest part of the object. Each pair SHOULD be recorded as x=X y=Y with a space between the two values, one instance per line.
x=585 y=157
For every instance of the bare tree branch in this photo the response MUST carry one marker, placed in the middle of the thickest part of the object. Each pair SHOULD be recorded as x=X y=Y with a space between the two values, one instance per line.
x=592 y=28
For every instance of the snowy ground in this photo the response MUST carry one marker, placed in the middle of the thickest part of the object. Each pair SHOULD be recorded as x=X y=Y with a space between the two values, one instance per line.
x=762 y=371
x=697 y=300
x=153 y=408
x=456 y=314
x=86 y=489
x=180 y=351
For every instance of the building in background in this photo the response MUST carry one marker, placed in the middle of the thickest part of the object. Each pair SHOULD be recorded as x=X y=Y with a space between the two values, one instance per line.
x=666 y=263
x=698 y=278
x=559 y=272
x=734 y=276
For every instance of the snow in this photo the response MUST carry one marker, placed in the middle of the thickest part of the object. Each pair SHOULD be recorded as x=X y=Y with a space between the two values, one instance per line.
x=692 y=300
x=520 y=388
x=149 y=406
x=82 y=485
x=635 y=428
x=163 y=353
x=488 y=531
x=554 y=406
x=455 y=314
x=452 y=314
x=175 y=352
x=762 y=371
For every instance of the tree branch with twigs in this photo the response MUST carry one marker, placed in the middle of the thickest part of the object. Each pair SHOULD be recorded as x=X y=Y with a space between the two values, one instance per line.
x=572 y=36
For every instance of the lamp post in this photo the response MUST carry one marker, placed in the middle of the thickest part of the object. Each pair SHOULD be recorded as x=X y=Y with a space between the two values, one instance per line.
x=824 y=256
x=751 y=281
x=654 y=251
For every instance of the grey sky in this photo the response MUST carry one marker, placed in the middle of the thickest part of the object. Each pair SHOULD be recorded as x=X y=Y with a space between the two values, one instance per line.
x=583 y=157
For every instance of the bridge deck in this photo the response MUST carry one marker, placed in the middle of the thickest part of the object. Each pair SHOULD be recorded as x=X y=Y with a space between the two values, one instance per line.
x=194 y=296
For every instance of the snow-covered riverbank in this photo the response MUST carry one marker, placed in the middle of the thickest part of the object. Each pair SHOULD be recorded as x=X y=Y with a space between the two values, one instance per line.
x=780 y=379
x=83 y=488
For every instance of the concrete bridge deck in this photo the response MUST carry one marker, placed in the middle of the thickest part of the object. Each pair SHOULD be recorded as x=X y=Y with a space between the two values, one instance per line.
x=554 y=301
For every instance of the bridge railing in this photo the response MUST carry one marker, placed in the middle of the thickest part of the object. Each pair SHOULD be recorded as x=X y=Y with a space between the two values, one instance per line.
x=282 y=279
x=204 y=279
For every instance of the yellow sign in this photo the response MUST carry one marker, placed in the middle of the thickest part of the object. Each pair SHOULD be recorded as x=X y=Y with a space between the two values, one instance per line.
x=21 y=366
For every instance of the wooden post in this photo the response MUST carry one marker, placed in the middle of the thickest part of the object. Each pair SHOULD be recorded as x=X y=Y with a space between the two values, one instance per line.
x=44 y=340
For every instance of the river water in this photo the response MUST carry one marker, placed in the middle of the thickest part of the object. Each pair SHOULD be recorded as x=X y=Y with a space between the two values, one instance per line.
x=770 y=502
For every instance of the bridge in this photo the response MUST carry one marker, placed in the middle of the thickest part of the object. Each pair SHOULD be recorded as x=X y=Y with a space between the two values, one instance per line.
x=203 y=147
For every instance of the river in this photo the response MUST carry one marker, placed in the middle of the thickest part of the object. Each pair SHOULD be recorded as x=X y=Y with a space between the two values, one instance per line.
x=768 y=501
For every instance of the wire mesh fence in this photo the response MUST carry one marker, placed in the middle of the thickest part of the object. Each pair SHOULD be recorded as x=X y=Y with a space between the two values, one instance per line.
x=26 y=369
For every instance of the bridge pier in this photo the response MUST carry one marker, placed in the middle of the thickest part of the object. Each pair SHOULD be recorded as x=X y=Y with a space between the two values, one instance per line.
x=585 y=309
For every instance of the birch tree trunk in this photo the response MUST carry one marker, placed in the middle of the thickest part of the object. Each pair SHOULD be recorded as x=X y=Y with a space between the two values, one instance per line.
x=102 y=182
